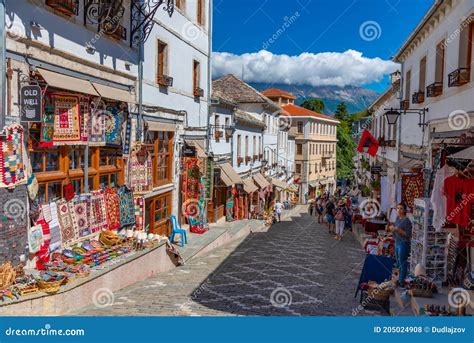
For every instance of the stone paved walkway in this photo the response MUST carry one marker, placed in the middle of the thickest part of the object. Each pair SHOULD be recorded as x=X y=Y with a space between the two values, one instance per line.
x=295 y=268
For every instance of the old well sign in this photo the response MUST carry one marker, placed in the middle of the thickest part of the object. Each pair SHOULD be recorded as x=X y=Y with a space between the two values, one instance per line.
x=30 y=101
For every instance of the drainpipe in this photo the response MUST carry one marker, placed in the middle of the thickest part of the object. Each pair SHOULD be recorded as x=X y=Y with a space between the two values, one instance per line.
x=209 y=79
x=140 y=92
x=3 y=71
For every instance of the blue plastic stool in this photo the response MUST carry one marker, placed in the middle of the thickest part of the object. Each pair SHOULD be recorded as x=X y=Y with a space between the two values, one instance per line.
x=175 y=229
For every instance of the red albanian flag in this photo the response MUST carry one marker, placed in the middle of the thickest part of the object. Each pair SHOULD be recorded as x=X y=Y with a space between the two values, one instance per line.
x=367 y=140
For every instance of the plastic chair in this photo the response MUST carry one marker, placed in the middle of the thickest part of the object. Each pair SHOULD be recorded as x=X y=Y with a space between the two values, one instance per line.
x=175 y=229
x=193 y=221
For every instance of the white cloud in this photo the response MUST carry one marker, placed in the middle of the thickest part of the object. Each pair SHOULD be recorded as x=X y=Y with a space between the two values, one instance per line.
x=325 y=68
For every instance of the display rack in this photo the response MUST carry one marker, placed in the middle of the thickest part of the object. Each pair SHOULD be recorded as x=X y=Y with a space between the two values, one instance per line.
x=428 y=247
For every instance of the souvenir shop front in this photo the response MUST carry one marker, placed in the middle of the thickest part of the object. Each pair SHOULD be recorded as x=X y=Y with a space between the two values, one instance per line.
x=264 y=193
x=230 y=189
x=68 y=189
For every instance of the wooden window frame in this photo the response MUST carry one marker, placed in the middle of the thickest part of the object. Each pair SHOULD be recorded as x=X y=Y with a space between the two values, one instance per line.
x=300 y=127
x=162 y=59
x=200 y=13
x=156 y=153
x=157 y=226
x=196 y=75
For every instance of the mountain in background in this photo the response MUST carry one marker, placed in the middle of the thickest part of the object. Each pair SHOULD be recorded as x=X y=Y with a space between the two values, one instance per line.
x=356 y=98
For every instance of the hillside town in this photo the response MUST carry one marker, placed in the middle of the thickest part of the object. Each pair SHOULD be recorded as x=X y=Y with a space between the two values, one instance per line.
x=134 y=181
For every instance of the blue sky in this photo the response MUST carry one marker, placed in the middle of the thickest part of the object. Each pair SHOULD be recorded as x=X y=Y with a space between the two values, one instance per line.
x=374 y=28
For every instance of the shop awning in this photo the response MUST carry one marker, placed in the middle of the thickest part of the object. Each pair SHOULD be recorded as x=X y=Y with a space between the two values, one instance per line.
x=114 y=93
x=409 y=163
x=279 y=184
x=314 y=184
x=261 y=181
x=249 y=186
x=466 y=154
x=228 y=175
x=159 y=126
x=292 y=188
x=67 y=82
x=199 y=145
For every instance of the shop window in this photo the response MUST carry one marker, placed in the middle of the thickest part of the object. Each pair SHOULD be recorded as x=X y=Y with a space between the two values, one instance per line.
x=108 y=157
x=50 y=191
x=77 y=159
x=45 y=160
x=163 y=157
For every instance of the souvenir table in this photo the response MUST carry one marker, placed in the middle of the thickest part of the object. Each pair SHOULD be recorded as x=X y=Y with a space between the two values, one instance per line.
x=372 y=226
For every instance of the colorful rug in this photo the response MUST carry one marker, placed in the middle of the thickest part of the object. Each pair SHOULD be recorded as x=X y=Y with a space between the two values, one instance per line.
x=66 y=222
x=112 y=208
x=85 y=115
x=12 y=169
x=113 y=126
x=81 y=210
x=67 y=124
x=97 y=128
x=412 y=188
x=13 y=224
x=127 y=140
x=126 y=206
x=139 y=203
x=47 y=122
x=140 y=163
x=98 y=214
x=55 y=230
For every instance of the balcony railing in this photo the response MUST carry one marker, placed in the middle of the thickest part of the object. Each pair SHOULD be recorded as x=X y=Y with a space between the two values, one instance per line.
x=459 y=77
x=404 y=105
x=66 y=7
x=120 y=33
x=434 y=89
x=418 y=97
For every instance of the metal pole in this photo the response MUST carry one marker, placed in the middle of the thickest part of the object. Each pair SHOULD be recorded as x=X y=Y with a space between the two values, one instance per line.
x=209 y=78
x=140 y=92
x=3 y=78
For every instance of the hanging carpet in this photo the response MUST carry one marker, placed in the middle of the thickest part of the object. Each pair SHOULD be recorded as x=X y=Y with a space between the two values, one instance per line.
x=12 y=170
x=112 y=208
x=412 y=188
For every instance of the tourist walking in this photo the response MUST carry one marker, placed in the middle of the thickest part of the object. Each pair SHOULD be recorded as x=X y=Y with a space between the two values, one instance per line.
x=319 y=209
x=278 y=209
x=340 y=214
x=330 y=207
x=402 y=230
x=311 y=208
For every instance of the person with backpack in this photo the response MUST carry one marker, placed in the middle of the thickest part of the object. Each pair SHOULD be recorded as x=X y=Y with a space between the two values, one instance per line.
x=330 y=207
x=340 y=213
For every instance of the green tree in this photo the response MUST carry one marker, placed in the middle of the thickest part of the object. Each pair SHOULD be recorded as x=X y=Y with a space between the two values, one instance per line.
x=341 y=111
x=345 y=151
x=315 y=105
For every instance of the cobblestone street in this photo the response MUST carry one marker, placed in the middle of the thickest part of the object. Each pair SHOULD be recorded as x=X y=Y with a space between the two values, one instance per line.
x=295 y=268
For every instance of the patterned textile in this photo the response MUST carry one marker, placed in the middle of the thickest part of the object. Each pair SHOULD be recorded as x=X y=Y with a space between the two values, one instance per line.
x=55 y=230
x=97 y=128
x=98 y=214
x=47 y=122
x=81 y=210
x=35 y=238
x=12 y=169
x=67 y=124
x=139 y=213
x=128 y=133
x=412 y=188
x=13 y=224
x=85 y=113
x=113 y=126
x=112 y=208
x=66 y=222
x=140 y=163
x=126 y=205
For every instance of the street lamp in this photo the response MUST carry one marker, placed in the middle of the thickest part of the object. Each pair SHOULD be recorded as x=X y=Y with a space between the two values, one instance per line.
x=393 y=114
x=229 y=130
